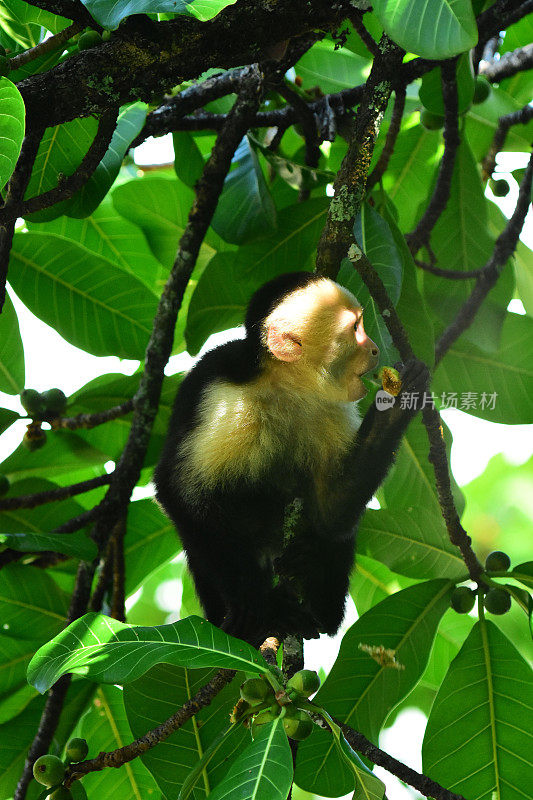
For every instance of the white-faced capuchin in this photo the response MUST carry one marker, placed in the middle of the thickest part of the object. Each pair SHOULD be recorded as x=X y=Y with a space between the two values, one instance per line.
x=267 y=468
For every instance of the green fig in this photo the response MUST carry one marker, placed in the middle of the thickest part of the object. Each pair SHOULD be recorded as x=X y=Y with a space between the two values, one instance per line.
x=482 y=89
x=256 y=691
x=49 y=770
x=430 y=121
x=61 y=793
x=32 y=403
x=497 y=601
x=304 y=682
x=297 y=725
x=76 y=750
x=462 y=599
x=500 y=188
x=88 y=40
x=497 y=561
x=55 y=402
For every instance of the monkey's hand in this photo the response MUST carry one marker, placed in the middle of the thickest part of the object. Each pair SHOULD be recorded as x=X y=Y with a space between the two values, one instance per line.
x=414 y=376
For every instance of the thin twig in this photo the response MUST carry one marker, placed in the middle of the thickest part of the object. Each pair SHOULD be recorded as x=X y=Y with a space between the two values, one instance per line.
x=450 y=274
x=118 y=610
x=518 y=60
x=116 y=758
x=53 y=495
x=520 y=117
x=68 y=185
x=421 y=234
x=356 y=18
x=308 y=122
x=92 y=420
x=47 y=46
x=503 y=250
x=56 y=695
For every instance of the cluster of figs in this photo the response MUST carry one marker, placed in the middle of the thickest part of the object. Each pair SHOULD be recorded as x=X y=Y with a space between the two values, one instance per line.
x=50 y=770
x=297 y=723
x=495 y=600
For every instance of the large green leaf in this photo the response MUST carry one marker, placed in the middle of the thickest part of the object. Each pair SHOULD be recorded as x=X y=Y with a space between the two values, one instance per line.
x=245 y=209
x=430 y=28
x=371 y=582
x=479 y=736
x=12 y=114
x=110 y=15
x=75 y=544
x=226 y=285
x=41 y=519
x=188 y=160
x=413 y=542
x=331 y=69
x=154 y=697
x=359 y=690
x=64 y=453
x=481 y=122
x=149 y=531
x=87 y=299
x=15 y=655
x=87 y=199
x=263 y=771
x=106 y=233
x=502 y=382
x=105 y=727
x=32 y=606
x=12 y=368
x=7 y=418
x=108 y=651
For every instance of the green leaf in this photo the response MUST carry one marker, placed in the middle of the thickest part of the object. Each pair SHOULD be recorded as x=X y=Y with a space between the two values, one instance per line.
x=188 y=161
x=432 y=28
x=431 y=89
x=506 y=373
x=361 y=692
x=87 y=299
x=15 y=655
x=87 y=199
x=331 y=70
x=110 y=16
x=413 y=542
x=263 y=771
x=230 y=279
x=64 y=452
x=109 y=235
x=478 y=740
x=149 y=530
x=410 y=483
x=41 y=519
x=60 y=153
x=481 y=122
x=12 y=368
x=154 y=697
x=75 y=544
x=245 y=209
x=371 y=582
x=108 y=651
x=408 y=178
x=32 y=606
x=105 y=727
x=12 y=114
x=7 y=418
x=524 y=573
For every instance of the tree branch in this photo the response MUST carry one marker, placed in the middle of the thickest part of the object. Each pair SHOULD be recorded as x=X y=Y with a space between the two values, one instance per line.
x=53 y=495
x=46 y=46
x=390 y=140
x=503 y=249
x=117 y=758
x=509 y=64
x=421 y=234
x=520 y=117
x=349 y=185
x=88 y=421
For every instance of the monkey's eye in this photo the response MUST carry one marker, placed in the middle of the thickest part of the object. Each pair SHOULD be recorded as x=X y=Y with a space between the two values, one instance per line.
x=358 y=320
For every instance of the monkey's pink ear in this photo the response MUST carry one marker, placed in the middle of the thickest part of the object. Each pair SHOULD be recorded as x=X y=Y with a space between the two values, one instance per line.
x=283 y=344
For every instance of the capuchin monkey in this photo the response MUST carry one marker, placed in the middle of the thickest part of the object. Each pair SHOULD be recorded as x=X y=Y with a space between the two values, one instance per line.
x=267 y=468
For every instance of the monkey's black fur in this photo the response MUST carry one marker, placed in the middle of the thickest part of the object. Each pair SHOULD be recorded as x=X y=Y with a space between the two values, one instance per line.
x=251 y=580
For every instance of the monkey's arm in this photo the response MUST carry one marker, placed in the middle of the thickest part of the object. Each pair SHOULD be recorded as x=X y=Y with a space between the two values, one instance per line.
x=371 y=456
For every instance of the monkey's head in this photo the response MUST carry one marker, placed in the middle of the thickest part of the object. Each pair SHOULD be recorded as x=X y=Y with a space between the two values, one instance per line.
x=310 y=332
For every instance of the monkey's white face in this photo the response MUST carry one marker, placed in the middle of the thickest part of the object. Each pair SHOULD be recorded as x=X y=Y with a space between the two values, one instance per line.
x=317 y=333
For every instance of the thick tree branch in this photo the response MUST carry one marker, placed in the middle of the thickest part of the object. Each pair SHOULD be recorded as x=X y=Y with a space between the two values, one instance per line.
x=503 y=250
x=15 y=192
x=47 y=46
x=117 y=758
x=349 y=185
x=390 y=140
x=509 y=64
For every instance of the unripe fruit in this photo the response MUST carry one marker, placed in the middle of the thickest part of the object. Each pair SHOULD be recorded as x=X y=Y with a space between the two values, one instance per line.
x=34 y=438
x=430 y=121
x=4 y=66
x=4 y=484
x=462 y=599
x=61 y=793
x=497 y=562
x=497 y=601
x=106 y=35
x=32 y=403
x=482 y=90
x=256 y=691
x=500 y=188
x=298 y=725
x=76 y=750
x=89 y=39
x=49 y=770
x=55 y=402
x=304 y=682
